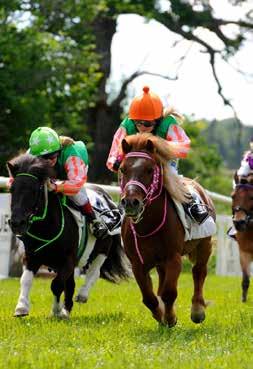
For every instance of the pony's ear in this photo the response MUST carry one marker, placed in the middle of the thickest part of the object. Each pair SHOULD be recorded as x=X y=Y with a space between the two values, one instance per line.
x=12 y=169
x=125 y=146
x=150 y=146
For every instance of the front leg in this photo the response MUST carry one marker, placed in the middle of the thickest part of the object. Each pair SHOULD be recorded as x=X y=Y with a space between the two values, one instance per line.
x=23 y=305
x=149 y=298
x=168 y=287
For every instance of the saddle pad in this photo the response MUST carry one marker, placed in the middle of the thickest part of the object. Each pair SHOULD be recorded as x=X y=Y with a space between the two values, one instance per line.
x=192 y=229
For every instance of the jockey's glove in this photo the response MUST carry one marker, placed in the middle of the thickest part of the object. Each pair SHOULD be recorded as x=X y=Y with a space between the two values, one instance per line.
x=117 y=162
x=51 y=185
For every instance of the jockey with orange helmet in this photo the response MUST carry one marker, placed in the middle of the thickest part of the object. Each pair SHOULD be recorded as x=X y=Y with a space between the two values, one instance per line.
x=147 y=115
x=70 y=160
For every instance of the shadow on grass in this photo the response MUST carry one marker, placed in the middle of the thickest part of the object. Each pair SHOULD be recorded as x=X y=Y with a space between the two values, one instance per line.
x=161 y=334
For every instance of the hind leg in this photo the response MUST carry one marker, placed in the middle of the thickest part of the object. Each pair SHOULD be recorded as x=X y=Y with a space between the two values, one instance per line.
x=91 y=278
x=199 y=272
x=245 y=260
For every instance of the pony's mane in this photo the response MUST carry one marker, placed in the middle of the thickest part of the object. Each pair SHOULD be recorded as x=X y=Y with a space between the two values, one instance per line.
x=26 y=163
x=163 y=152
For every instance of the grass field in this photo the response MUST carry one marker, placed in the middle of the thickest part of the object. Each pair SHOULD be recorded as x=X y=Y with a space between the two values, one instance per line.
x=114 y=330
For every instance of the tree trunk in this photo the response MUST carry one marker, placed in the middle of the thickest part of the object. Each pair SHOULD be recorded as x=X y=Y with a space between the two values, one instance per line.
x=103 y=119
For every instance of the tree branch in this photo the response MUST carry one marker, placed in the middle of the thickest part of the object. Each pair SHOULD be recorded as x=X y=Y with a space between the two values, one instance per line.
x=122 y=92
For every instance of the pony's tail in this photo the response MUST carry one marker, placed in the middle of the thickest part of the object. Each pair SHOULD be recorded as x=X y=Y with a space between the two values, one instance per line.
x=116 y=266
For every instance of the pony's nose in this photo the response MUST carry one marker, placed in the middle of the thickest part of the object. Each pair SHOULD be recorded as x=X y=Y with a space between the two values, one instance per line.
x=17 y=226
x=240 y=225
x=131 y=203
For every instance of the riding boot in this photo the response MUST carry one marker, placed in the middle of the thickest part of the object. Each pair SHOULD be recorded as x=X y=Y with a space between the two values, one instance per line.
x=197 y=211
x=97 y=226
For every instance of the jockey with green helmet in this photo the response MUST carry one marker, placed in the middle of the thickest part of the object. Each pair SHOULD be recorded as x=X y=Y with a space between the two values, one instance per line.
x=70 y=160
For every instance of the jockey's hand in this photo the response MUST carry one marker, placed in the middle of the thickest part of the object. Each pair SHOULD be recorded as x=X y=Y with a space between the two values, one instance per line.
x=116 y=165
x=51 y=185
x=117 y=162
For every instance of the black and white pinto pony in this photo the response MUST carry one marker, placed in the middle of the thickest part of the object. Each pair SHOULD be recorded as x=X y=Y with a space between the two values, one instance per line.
x=50 y=233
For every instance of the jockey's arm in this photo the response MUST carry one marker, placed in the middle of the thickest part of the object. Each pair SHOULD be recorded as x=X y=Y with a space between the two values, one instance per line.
x=178 y=141
x=76 y=171
x=115 y=151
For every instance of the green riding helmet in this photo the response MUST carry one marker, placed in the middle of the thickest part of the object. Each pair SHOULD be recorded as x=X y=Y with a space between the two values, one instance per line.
x=44 y=140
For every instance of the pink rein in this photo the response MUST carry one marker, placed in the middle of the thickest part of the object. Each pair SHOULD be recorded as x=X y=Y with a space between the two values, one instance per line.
x=156 y=186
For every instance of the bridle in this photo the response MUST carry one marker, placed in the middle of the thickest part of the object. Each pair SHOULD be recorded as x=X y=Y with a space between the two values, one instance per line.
x=34 y=218
x=157 y=182
x=237 y=209
x=152 y=192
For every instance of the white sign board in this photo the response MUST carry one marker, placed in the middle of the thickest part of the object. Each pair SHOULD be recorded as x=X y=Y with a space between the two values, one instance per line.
x=5 y=235
x=227 y=253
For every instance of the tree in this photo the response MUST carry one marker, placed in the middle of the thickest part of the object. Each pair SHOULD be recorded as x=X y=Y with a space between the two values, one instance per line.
x=92 y=24
x=44 y=79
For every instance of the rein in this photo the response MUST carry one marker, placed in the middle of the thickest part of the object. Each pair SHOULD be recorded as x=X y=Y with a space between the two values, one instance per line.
x=33 y=218
x=151 y=195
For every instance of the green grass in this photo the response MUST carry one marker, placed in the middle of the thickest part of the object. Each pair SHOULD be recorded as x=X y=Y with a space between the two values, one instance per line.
x=114 y=330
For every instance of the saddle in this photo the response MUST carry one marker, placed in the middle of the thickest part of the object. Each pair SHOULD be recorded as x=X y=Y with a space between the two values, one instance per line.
x=107 y=210
x=192 y=229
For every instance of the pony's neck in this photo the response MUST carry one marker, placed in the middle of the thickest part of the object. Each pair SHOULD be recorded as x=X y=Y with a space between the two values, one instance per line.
x=48 y=226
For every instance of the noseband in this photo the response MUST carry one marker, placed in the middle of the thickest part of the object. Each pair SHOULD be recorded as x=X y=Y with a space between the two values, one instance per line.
x=249 y=214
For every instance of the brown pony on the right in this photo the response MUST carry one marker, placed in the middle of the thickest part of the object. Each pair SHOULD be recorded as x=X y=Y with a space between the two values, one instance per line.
x=242 y=209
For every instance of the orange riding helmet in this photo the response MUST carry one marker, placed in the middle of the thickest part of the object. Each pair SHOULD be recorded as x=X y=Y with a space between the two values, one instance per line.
x=147 y=106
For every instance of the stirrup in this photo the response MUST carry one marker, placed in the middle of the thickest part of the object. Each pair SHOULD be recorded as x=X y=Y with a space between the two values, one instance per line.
x=98 y=229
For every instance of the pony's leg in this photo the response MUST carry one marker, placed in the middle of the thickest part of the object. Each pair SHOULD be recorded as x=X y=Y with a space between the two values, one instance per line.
x=245 y=259
x=57 y=287
x=153 y=303
x=199 y=272
x=23 y=305
x=92 y=276
x=69 y=289
x=168 y=288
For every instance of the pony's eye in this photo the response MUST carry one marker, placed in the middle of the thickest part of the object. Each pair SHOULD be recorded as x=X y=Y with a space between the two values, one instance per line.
x=150 y=170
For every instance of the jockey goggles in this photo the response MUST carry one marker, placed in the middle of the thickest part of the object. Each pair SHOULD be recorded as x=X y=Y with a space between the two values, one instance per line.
x=145 y=123
x=50 y=156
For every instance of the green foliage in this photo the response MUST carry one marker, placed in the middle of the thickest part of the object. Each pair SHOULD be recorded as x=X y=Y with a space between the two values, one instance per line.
x=44 y=80
x=115 y=330
x=230 y=139
x=204 y=163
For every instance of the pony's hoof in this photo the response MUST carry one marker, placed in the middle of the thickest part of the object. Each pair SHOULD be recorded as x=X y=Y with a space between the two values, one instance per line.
x=64 y=314
x=81 y=299
x=172 y=322
x=20 y=312
x=198 y=316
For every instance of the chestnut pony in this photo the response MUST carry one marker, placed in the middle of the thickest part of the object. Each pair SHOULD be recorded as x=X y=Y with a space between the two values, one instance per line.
x=242 y=209
x=152 y=233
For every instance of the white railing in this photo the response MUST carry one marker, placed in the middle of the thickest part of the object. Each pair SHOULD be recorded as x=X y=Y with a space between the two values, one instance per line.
x=112 y=189
x=227 y=250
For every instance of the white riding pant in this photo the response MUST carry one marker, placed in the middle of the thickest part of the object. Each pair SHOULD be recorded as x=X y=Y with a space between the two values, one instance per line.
x=81 y=198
